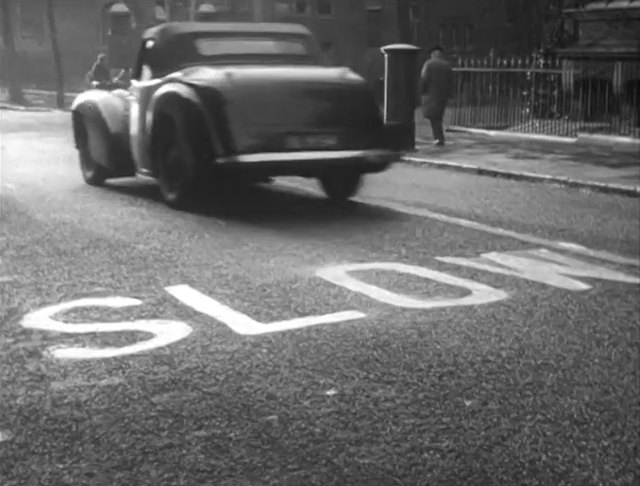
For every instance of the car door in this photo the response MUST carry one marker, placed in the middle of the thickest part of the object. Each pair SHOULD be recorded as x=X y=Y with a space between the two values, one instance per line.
x=144 y=84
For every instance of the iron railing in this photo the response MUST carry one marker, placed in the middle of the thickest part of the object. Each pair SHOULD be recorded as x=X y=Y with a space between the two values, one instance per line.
x=549 y=96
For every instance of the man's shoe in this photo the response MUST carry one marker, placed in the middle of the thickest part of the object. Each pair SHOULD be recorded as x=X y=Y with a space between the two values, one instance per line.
x=438 y=143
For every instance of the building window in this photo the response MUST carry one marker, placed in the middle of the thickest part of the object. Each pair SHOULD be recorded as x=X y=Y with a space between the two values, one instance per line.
x=296 y=7
x=241 y=6
x=324 y=7
x=415 y=18
x=31 y=21
x=161 y=11
x=455 y=39
x=512 y=11
x=468 y=36
x=221 y=5
x=283 y=7
x=302 y=7
x=441 y=35
x=327 y=53
x=374 y=28
x=373 y=4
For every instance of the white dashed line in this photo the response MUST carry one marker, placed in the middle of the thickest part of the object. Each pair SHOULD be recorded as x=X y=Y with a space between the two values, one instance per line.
x=494 y=230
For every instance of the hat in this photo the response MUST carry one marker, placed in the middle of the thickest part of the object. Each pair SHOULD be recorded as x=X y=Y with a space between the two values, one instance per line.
x=437 y=47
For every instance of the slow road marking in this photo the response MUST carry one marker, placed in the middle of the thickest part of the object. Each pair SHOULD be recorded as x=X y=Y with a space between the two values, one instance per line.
x=543 y=266
x=243 y=324
x=165 y=331
x=538 y=265
x=478 y=293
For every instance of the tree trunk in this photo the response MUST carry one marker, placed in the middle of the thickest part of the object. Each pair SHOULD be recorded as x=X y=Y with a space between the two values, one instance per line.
x=53 y=32
x=16 y=94
x=403 y=21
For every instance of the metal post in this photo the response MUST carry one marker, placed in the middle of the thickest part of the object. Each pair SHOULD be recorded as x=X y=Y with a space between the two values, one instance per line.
x=400 y=88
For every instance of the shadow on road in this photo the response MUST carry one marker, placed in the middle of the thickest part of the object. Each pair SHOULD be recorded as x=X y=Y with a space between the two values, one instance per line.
x=265 y=204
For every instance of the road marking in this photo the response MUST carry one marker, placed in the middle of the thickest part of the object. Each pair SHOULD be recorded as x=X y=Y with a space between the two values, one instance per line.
x=479 y=293
x=5 y=435
x=494 y=230
x=6 y=185
x=165 y=331
x=243 y=324
x=542 y=266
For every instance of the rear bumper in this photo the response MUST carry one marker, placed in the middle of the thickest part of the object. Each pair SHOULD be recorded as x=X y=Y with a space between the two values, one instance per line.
x=309 y=163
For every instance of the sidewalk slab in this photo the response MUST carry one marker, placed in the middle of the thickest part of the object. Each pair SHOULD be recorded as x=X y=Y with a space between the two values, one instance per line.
x=600 y=167
x=606 y=187
x=423 y=130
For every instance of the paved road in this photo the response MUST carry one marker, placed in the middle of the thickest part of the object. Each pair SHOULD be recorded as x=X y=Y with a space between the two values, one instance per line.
x=252 y=356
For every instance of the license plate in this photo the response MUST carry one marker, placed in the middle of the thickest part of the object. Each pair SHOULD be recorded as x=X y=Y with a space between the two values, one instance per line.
x=312 y=141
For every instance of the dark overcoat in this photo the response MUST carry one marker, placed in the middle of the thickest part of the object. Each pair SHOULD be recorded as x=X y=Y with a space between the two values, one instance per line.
x=436 y=81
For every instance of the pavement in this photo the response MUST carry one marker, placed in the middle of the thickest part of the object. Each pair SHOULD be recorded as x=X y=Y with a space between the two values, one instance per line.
x=603 y=165
x=230 y=345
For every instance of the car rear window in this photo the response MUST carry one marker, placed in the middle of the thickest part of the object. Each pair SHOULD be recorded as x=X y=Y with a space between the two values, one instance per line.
x=251 y=46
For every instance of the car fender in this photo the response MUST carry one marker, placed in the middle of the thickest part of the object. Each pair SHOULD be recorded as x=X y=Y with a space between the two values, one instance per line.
x=107 y=111
x=177 y=99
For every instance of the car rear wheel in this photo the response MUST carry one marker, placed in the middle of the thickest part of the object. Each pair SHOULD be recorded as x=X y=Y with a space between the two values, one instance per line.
x=92 y=142
x=176 y=181
x=341 y=186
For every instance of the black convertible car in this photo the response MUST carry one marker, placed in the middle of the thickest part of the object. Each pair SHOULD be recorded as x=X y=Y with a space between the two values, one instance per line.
x=212 y=101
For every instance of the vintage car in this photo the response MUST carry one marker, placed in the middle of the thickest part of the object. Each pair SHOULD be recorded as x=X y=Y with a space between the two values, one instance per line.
x=216 y=101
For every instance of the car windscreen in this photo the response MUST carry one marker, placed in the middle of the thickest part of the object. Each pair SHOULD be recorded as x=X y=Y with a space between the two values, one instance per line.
x=251 y=46
x=213 y=48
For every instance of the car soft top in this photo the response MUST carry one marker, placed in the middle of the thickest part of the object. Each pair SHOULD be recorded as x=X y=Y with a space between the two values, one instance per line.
x=168 y=30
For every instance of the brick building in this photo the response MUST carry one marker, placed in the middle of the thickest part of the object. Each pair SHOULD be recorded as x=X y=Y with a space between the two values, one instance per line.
x=351 y=31
x=601 y=56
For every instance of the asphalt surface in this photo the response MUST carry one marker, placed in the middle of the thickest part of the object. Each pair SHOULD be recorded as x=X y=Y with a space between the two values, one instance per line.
x=539 y=388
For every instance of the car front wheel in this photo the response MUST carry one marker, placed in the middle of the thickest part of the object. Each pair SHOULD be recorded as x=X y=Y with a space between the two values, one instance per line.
x=93 y=142
x=341 y=186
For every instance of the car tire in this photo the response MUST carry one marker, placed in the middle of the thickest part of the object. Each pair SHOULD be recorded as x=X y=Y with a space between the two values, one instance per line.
x=341 y=186
x=93 y=173
x=176 y=180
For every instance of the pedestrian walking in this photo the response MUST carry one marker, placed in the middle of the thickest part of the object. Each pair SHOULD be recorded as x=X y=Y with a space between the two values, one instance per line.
x=436 y=80
x=100 y=70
